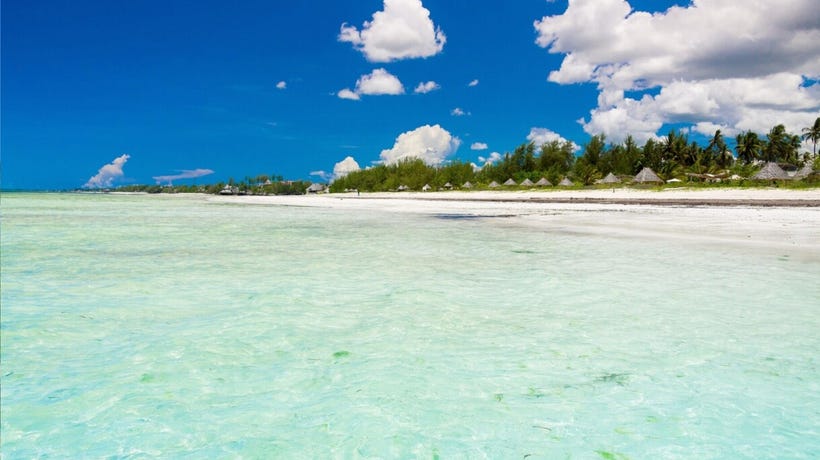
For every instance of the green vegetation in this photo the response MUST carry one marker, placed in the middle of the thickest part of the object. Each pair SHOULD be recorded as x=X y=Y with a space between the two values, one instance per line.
x=673 y=156
x=259 y=185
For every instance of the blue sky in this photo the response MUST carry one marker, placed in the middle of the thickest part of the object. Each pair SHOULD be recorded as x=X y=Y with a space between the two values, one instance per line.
x=253 y=87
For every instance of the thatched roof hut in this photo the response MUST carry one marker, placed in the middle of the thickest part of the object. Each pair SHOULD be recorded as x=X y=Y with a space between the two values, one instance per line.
x=448 y=186
x=804 y=172
x=647 y=176
x=316 y=188
x=771 y=171
x=543 y=182
x=565 y=182
x=610 y=179
x=467 y=185
x=510 y=182
x=526 y=183
x=494 y=184
x=426 y=188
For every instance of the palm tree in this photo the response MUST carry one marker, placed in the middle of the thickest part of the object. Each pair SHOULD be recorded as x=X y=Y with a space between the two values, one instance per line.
x=812 y=133
x=781 y=146
x=748 y=146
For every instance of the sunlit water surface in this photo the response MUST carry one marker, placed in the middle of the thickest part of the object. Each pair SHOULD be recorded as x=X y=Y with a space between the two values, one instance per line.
x=141 y=326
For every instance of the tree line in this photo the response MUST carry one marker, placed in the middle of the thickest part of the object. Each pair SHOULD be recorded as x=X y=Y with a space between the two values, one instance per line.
x=673 y=156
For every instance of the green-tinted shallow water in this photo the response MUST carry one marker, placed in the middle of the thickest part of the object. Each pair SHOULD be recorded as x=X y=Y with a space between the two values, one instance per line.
x=136 y=326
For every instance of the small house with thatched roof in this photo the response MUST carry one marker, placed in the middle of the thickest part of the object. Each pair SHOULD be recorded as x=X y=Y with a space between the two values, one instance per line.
x=510 y=182
x=610 y=179
x=543 y=182
x=804 y=172
x=315 y=188
x=426 y=188
x=527 y=183
x=647 y=176
x=494 y=184
x=771 y=171
x=467 y=185
x=565 y=182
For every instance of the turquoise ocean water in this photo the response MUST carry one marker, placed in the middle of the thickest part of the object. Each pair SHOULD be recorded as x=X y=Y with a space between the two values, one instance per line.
x=151 y=326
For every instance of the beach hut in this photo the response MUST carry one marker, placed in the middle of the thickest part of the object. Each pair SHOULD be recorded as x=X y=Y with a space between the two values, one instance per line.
x=426 y=188
x=565 y=182
x=467 y=185
x=448 y=186
x=315 y=188
x=771 y=171
x=510 y=182
x=647 y=176
x=804 y=172
x=527 y=183
x=494 y=184
x=610 y=179
x=544 y=182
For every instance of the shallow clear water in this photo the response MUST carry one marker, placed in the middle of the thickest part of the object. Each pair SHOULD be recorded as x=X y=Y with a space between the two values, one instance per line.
x=137 y=326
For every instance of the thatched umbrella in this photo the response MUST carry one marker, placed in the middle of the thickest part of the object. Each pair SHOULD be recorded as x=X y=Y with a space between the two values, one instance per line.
x=544 y=182
x=771 y=172
x=565 y=182
x=647 y=176
x=510 y=182
x=804 y=172
x=610 y=179
x=426 y=188
x=527 y=183
x=467 y=185
x=493 y=184
x=448 y=186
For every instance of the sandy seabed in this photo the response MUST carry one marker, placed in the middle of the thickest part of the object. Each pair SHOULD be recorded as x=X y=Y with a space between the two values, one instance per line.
x=764 y=218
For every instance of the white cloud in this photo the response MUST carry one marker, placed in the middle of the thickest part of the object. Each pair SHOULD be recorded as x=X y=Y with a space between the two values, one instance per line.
x=184 y=174
x=377 y=83
x=345 y=167
x=424 y=88
x=541 y=136
x=348 y=94
x=494 y=157
x=710 y=73
x=321 y=174
x=430 y=143
x=478 y=146
x=458 y=112
x=281 y=85
x=473 y=83
x=402 y=30
x=105 y=175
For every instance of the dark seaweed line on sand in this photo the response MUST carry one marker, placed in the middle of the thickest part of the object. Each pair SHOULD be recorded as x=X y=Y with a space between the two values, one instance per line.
x=685 y=202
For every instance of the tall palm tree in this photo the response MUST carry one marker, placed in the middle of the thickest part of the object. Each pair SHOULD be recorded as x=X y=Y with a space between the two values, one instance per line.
x=812 y=133
x=748 y=147
x=781 y=146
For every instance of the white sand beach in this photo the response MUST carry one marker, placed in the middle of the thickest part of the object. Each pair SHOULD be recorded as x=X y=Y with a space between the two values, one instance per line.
x=774 y=219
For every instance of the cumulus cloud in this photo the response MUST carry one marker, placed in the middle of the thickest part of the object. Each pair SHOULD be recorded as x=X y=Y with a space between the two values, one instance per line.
x=281 y=85
x=458 y=112
x=377 y=83
x=430 y=143
x=541 y=136
x=494 y=157
x=473 y=83
x=478 y=146
x=345 y=167
x=108 y=173
x=760 y=70
x=402 y=30
x=348 y=94
x=183 y=174
x=424 y=88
